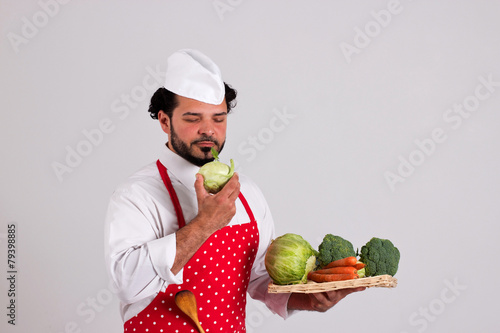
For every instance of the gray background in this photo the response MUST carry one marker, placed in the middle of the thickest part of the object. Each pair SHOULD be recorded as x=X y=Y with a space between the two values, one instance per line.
x=67 y=69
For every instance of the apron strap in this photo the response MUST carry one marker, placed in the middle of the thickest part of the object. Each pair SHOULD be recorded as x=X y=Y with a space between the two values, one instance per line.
x=171 y=192
x=175 y=199
x=247 y=207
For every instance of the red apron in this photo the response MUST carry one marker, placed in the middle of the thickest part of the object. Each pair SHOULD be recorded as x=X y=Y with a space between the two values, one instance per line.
x=218 y=274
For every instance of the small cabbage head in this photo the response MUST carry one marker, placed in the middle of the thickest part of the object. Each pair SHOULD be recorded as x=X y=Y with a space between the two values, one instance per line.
x=216 y=174
x=289 y=259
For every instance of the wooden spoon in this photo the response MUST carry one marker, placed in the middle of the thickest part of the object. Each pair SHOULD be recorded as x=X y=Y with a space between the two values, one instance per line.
x=186 y=301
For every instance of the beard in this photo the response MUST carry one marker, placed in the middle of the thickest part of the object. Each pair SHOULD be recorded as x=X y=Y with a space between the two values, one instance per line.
x=186 y=151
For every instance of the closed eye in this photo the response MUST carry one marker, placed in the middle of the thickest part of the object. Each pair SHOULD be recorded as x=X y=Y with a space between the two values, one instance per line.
x=219 y=119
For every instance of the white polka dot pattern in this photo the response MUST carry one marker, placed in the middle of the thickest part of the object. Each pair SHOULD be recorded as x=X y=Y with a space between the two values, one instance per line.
x=218 y=275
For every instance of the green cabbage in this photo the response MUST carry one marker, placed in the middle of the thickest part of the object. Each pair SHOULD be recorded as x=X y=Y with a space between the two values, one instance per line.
x=289 y=259
x=216 y=174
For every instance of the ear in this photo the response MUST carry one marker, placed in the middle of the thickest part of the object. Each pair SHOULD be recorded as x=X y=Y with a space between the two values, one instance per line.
x=164 y=122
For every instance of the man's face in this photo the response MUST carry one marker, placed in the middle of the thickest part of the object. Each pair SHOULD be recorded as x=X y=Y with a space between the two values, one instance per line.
x=195 y=127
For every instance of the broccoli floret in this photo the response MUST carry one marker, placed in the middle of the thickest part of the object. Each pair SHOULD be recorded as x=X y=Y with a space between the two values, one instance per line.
x=380 y=257
x=334 y=248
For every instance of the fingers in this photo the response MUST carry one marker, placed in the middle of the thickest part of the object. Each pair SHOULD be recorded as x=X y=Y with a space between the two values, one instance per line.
x=353 y=290
x=326 y=300
x=345 y=292
x=232 y=189
x=319 y=298
x=339 y=294
x=201 y=192
x=321 y=302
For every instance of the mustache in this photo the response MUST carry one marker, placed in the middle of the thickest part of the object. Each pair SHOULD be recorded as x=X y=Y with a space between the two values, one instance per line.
x=205 y=139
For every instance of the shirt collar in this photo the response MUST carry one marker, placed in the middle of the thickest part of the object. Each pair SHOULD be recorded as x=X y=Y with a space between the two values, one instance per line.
x=179 y=167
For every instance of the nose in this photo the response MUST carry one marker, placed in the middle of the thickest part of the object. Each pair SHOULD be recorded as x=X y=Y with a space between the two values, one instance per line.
x=206 y=128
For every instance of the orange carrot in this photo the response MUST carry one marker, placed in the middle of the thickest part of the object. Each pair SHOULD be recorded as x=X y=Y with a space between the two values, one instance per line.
x=338 y=270
x=359 y=265
x=349 y=261
x=318 y=277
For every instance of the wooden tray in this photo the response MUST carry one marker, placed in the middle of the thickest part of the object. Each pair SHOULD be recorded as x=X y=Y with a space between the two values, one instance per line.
x=384 y=281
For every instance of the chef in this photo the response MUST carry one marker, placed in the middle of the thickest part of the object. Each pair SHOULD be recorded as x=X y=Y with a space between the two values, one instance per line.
x=165 y=233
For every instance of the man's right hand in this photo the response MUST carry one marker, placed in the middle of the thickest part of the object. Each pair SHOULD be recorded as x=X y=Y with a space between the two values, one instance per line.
x=217 y=210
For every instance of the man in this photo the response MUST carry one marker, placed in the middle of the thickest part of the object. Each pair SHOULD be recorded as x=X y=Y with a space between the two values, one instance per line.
x=164 y=235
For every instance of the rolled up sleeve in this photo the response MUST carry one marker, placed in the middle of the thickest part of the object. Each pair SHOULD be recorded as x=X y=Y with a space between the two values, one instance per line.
x=163 y=263
x=139 y=252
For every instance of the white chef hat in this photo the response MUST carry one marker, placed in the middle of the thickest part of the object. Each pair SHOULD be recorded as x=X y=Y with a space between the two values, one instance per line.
x=192 y=74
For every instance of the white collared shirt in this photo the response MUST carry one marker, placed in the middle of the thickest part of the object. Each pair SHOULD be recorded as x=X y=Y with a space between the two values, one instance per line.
x=140 y=241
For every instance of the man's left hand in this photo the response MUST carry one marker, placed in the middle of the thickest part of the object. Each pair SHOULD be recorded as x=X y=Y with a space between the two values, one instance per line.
x=320 y=302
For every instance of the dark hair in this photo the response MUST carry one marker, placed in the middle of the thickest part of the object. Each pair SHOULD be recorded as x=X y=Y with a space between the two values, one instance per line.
x=166 y=101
